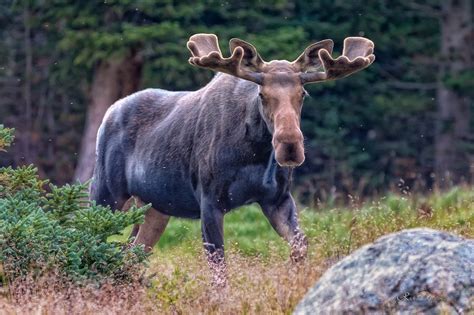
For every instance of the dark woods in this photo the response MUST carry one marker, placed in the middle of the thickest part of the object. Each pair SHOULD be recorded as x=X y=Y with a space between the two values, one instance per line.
x=403 y=124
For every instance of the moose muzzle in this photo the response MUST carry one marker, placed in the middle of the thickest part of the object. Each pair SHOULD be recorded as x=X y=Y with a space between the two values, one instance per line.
x=288 y=143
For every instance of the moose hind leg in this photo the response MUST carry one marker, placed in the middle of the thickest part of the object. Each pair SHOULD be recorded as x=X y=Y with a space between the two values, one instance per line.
x=284 y=219
x=149 y=233
x=100 y=193
x=131 y=202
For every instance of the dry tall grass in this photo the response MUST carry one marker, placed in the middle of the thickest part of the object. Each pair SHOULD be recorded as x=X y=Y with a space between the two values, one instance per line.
x=180 y=285
x=51 y=295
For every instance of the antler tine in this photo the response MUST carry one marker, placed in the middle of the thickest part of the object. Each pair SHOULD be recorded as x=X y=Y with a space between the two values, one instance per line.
x=358 y=46
x=357 y=55
x=207 y=54
x=201 y=45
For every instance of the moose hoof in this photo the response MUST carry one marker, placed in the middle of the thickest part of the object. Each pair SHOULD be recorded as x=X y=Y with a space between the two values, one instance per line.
x=299 y=248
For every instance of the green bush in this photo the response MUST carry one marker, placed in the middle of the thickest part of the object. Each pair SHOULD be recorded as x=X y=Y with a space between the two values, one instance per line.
x=45 y=228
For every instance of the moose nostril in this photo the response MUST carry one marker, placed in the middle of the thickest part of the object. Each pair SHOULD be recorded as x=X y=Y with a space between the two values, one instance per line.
x=290 y=148
x=289 y=153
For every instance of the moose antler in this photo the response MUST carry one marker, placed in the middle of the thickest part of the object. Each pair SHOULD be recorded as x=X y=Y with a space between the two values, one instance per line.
x=242 y=63
x=357 y=55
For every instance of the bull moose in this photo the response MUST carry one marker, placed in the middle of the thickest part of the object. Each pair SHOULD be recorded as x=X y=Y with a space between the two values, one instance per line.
x=233 y=142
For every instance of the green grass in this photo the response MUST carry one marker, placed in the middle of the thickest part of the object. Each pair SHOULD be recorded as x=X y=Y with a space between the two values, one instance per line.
x=335 y=231
x=245 y=229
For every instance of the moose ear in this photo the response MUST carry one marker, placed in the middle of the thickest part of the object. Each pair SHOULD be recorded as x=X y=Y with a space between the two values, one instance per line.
x=251 y=59
x=309 y=59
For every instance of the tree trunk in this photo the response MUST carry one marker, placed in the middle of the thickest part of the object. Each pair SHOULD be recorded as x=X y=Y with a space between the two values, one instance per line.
x=113 y=79
x=453 y=117
x=28 y=132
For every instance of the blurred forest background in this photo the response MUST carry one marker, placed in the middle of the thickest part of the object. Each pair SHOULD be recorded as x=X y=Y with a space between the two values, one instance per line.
x=403 y=124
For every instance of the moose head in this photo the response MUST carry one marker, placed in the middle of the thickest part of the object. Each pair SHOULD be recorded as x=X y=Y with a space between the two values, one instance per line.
x=281 y=83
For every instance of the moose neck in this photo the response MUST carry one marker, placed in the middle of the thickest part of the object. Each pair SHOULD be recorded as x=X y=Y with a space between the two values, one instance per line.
x=242 y=109
x=257 y=129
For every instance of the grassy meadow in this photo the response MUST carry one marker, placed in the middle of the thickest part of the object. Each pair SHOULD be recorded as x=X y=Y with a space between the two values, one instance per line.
x=262 y=280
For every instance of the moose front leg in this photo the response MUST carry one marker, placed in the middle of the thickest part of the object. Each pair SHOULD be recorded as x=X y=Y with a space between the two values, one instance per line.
x=284 y=219
x=212 y=221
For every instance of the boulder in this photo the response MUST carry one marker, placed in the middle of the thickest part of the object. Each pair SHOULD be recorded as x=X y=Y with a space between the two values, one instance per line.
x=409 y=272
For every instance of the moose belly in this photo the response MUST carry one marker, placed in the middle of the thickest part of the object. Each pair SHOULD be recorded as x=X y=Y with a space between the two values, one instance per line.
x=167 y=192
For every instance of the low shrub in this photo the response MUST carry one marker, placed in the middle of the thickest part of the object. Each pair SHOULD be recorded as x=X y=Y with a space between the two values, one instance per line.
x=49 y=229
